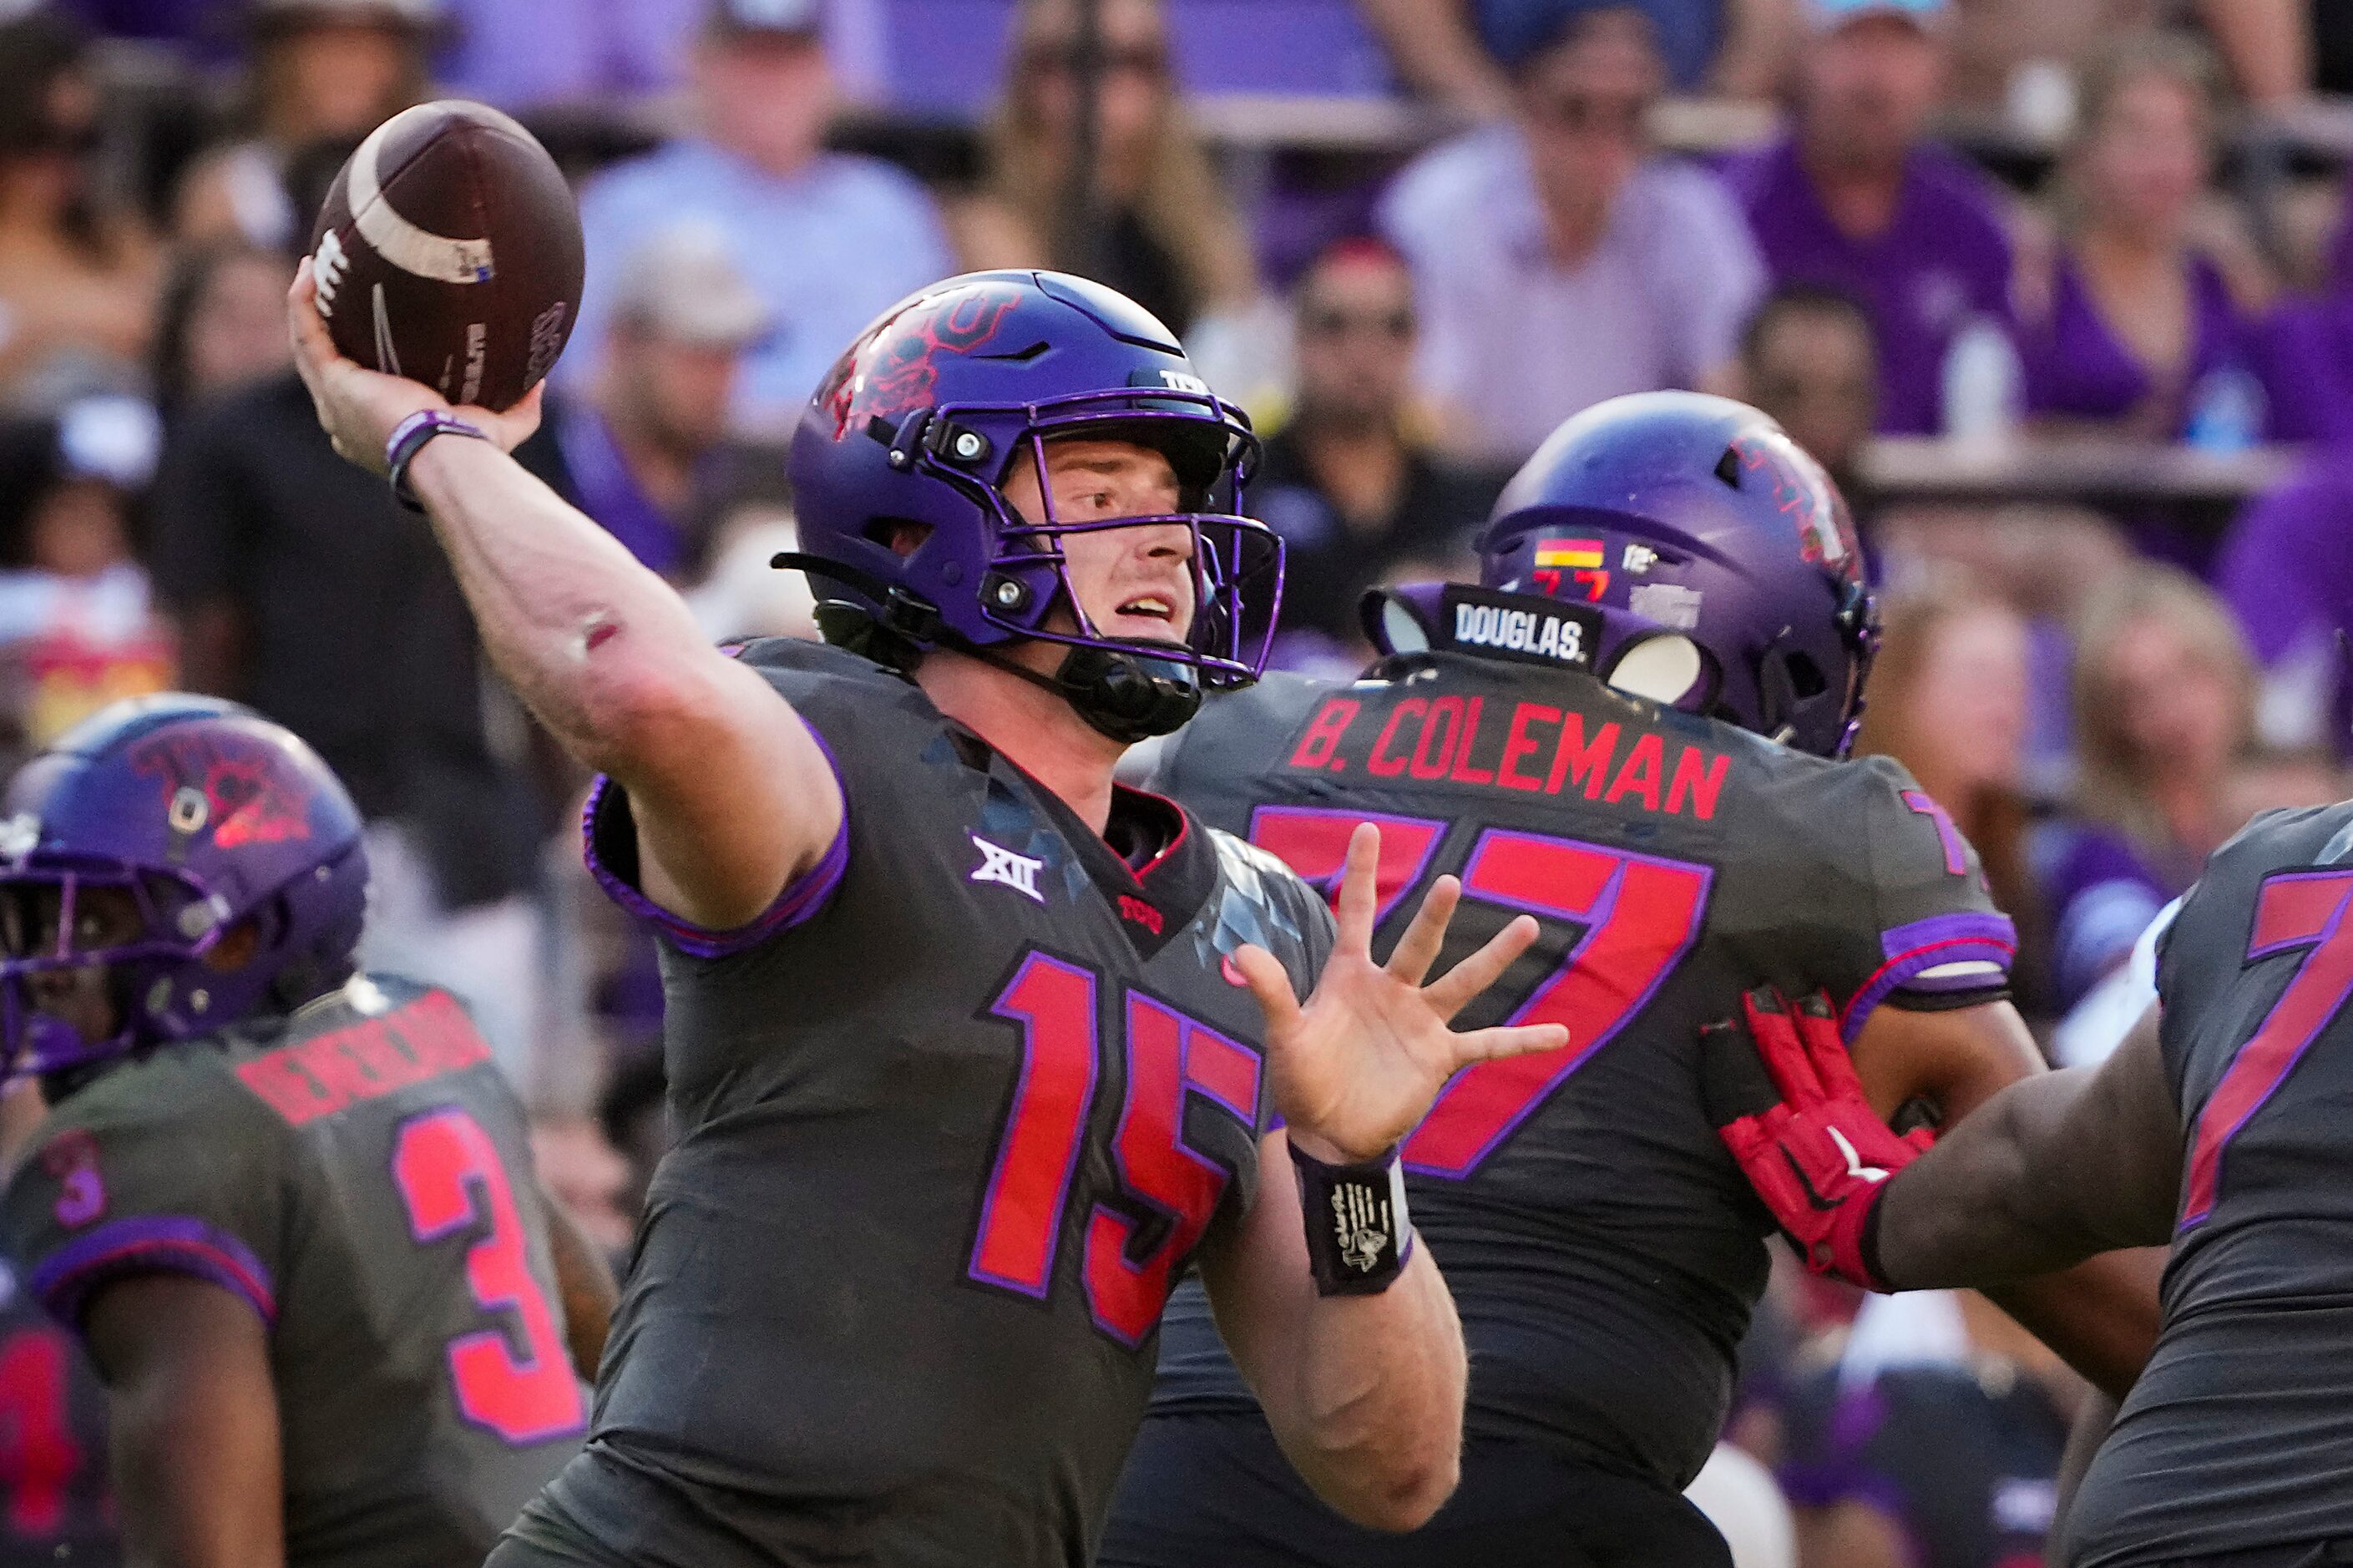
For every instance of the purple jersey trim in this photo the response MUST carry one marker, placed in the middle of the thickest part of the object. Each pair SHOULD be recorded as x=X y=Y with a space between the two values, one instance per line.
x=1973 y=936
x=802 y=897
x=160 y=1243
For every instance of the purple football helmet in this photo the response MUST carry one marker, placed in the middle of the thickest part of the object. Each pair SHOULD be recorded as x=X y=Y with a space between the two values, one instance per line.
x=206 y=815
x=1707 y=561
x=920 y=423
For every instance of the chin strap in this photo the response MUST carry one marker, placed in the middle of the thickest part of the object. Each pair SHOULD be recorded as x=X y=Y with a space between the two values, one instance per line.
x=1129 y=697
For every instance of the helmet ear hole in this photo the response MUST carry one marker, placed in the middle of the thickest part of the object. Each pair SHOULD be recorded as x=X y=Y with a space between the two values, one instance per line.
x=1401 y=630
x=1665 y=668
x=1807 y=681
x=1728 y=468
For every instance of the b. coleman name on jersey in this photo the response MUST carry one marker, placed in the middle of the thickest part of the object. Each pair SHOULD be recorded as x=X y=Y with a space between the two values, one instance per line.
x=1532 y=748
x=1519 y=631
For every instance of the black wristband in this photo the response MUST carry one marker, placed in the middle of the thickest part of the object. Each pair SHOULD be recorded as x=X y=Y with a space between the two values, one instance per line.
x=1358 y=1236
x=408 y=438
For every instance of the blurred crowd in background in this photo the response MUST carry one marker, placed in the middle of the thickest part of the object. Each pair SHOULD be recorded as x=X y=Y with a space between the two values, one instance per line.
x=2060 y=290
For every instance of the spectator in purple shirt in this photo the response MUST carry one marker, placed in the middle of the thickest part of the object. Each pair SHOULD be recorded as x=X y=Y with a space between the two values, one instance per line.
x=2165 y=709
x=648 y=450
x=2136 y=329
x=1857 y=198
x=2306 y=350
x=2286 y=569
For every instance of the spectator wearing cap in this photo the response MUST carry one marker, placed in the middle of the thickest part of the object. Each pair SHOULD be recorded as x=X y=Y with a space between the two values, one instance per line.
x=77 y=279
x=1559 y=261
x=827 y=240
x=2137 y=328
x=647 y=453
x=1857 y=198
x=322 y=70
x=1346 y=480
x=1454 y=52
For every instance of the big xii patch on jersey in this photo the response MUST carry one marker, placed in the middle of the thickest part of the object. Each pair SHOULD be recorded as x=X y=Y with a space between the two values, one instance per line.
x=358 y=1176
x=952 y=1117
x=2239 y=1434
x=1602 y=1247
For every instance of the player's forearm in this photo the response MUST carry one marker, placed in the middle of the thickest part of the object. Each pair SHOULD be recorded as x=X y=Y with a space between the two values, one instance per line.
x=2099 y=1316
x=1969 y=1212
x=1371 y=1412
x=594 y=643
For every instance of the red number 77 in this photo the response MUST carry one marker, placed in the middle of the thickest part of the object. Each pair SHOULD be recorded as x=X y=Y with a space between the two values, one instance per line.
x=1641 y=915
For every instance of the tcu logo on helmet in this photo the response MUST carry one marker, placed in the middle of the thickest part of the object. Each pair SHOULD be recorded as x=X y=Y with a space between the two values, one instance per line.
x=213 y=781
x=896 y=367
x=1804 y=494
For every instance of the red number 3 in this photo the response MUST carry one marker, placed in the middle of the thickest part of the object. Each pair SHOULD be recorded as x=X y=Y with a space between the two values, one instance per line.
x=525 y=1399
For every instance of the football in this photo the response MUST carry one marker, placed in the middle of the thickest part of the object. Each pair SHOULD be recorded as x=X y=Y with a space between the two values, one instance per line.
x=449 y=251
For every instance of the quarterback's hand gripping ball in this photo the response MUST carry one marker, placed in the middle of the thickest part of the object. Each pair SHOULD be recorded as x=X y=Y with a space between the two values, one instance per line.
x=1785 y=1099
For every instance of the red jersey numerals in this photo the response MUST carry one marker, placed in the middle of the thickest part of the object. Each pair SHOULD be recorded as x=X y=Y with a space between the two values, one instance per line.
x=443 y=1163
x=1641 y=915
x=2294 y=909
x=1169 y=1057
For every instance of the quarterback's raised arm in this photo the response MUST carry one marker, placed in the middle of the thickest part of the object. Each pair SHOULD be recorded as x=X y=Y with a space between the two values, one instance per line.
x=732 y=794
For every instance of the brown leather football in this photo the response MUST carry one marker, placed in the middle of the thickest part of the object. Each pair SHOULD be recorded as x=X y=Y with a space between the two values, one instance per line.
x=449 y=251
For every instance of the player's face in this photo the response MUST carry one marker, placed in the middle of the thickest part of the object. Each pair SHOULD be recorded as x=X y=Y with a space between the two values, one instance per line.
x=74 y=994
x=1134 y=584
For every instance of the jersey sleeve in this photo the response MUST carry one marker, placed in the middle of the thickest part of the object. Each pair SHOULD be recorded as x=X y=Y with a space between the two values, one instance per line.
x=1933 y=939
x=157 y=1168
x=609 y=845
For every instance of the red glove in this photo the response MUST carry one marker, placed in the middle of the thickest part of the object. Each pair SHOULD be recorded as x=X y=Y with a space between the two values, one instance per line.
x=1809 y=1141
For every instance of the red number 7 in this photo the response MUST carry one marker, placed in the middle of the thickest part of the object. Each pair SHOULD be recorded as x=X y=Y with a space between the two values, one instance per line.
x=2296 y=909
x=1641 y=915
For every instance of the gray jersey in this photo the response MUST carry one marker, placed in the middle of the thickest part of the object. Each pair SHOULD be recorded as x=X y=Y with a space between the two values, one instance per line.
x=360 y=1176
x=2240 y=1433
x=953 y=1116
x=1603 y=1249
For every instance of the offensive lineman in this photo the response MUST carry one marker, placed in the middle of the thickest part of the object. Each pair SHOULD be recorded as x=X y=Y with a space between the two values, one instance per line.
x=2220 y=1126
x=963 y=1038
x=288 y=1207
x=1602 y=1247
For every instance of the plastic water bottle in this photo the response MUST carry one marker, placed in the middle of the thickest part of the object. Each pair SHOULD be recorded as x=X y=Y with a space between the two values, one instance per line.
x=1984 y=386
x=2226 y=411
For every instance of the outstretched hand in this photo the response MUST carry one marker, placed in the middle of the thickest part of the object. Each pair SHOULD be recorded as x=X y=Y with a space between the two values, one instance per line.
x=359 y=407
x=1356 y=1067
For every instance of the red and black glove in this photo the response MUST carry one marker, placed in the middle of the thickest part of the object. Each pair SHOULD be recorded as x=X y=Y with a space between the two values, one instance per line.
x=1809 y=1141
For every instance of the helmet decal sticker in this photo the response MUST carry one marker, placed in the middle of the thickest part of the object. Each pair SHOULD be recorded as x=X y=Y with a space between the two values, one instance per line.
x=895 y=368
x=209 y=778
